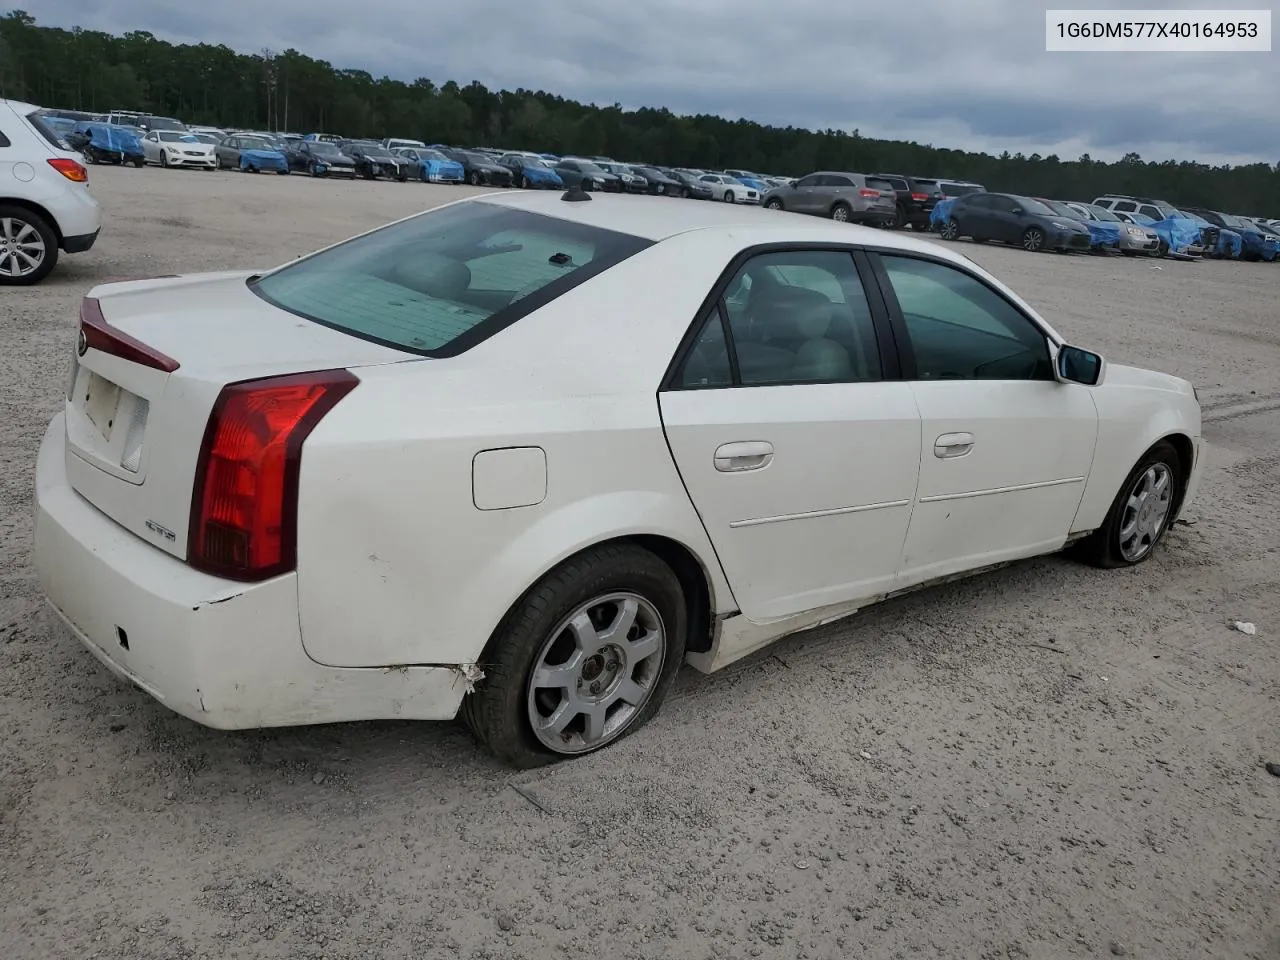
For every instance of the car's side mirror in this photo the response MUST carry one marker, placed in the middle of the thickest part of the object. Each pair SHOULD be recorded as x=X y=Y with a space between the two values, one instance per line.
x=1075 y=365
x=1016 y=210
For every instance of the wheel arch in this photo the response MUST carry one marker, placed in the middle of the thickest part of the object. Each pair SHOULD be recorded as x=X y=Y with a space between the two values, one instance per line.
x=1186 y=451
x=695 y=584
x=39 y=211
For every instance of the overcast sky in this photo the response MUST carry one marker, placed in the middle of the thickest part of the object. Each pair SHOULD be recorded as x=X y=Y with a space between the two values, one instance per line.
x=970 y=74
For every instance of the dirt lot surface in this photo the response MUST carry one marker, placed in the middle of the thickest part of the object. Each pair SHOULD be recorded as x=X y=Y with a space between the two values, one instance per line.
x=1048 y=761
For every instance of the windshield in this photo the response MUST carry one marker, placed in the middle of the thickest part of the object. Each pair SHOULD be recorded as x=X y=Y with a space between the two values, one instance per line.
x=1061 y=208
x=960 y=189
x=1102 y=213
x=205 y=137
x=256 y=143
x=434 y=155
x=444 y=280
x=173 y=136
x=164 y=123
x=378 y=153
x=1035 y=207
x=324 y=148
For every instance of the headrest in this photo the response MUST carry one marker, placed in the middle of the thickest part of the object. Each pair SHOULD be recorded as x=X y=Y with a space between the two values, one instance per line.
x=433 y=274
x=811 y=320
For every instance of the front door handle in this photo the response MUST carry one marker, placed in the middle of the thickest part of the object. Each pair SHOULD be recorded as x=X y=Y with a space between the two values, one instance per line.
x=953 y=445
x=743 y=455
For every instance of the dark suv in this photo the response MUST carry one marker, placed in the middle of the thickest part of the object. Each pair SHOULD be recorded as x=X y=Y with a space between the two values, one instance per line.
x=916 y=197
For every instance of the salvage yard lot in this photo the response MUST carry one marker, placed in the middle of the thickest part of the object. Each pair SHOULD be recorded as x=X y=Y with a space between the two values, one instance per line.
x=1041 y=762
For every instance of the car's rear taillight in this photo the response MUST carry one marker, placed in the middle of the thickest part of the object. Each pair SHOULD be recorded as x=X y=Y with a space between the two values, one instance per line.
x=71 y=169
x=920 y=197
x=95 y=332
x=244 y=508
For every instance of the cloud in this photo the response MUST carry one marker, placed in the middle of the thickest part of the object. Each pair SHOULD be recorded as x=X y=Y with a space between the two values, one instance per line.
x=972 y=75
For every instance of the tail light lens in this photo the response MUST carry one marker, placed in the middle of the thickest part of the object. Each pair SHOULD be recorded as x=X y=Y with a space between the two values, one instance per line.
x=71 y=169
x=244 y=509
x=868 y=192
x=919 y=197
x=95 y=332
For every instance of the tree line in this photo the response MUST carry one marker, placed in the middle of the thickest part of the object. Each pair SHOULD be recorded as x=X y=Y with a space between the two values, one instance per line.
x=287 y=90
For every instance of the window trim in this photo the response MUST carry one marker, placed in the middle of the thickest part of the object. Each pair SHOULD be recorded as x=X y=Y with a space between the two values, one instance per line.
x=906 y=350
x=881 y=324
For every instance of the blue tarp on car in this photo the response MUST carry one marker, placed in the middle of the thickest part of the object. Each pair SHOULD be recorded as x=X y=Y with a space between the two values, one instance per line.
x=1178 y=233
x=1254 y=244
x=263 y=160
x=1103 y=233
x=116 y=139
x=941 y=212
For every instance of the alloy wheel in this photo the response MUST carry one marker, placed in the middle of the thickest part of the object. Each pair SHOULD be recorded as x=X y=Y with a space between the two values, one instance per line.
x=22 y=249
x=1033 y=240
x=596 y=672
x=1146 y=511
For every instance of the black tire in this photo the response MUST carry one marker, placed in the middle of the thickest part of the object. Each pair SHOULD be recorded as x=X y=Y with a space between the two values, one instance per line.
x=523 y=182
x=1162 y=248
x=252 y=169
x=978 y=239
x=841 y=213
x=1102 y=548
x=164 y=159
x=1130 y=253
x=685 y=193
x=1033 y=240
x=284 y=172
x=139 y=162
x=728 y=196
x=773 y=203
x=951 y=229
x=50 y=239
x=473 y=178
x=497 y=711
x=900 y=217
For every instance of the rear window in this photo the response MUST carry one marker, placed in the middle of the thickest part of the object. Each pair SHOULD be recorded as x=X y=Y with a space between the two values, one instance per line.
x=876 y=184
x=961 y=189
x=41 y=126
x=443 y=281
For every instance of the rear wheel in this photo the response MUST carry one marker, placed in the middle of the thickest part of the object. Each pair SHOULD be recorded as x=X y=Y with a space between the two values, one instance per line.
x=951 y=229
x=840 y=213
x=1141 y=513
x=28 y=246
x=583 y=659
x=900 y=217
x=1033 y=240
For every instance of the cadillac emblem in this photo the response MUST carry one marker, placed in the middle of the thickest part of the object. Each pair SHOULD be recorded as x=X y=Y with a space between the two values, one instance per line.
x=82 y=344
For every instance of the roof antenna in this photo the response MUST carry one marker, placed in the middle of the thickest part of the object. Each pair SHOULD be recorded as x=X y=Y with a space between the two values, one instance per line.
x=575 y=194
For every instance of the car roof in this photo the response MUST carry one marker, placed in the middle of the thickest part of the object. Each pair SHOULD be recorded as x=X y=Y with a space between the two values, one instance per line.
x=655 y=218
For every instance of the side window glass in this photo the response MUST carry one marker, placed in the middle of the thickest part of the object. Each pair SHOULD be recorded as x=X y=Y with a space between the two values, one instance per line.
x=808 y=181
x=961 y=329
x=1125 y=205
x=707 y=364
x=4 y=141
x=801 y=317
x=1151 y=212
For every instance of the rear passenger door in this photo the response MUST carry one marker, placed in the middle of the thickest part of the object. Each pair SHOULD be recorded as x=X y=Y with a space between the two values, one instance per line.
x=798 y=448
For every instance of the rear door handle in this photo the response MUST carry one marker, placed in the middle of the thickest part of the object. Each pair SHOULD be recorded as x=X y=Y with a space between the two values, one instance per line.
x=953 y=445
x=743 y=455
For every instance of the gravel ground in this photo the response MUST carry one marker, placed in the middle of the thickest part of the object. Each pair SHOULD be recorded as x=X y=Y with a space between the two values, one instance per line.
x=1047 y=761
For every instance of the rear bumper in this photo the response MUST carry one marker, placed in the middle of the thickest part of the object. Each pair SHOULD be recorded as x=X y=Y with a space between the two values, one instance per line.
x=226 y=655
x=81 y=243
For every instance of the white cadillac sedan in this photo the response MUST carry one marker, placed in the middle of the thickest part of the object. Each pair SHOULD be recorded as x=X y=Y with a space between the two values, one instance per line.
x=520 y=457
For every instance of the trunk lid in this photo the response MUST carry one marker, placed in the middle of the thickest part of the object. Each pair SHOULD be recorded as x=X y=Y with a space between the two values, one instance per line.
x=134 y=429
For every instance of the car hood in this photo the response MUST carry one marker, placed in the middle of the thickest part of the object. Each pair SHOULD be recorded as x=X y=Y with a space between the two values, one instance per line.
x=1126 y=376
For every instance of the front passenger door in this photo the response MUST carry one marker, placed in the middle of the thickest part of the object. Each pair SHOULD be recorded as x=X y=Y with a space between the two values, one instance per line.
x=1005 y=449
x=797 y=450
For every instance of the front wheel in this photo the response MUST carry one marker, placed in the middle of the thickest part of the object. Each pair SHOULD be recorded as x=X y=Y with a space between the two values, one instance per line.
x=728 y=196
x=585 y=658
x=773 y=203
x=164 y=159
x=1141 y=513
x=1033 y=240
x=473 y=178
x=951 y=229
x=28 y=246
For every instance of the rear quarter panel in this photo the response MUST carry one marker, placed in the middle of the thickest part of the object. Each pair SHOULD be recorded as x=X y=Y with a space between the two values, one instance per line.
x=397 y=565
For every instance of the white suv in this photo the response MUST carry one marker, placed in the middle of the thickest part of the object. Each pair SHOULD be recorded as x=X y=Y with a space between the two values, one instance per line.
x=45 y=204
